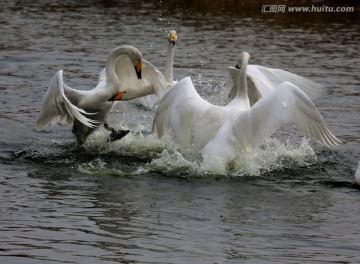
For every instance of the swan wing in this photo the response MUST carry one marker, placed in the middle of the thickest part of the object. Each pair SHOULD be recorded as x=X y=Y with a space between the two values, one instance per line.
x=182 y=111
x=58 y=105
x=267 y=79
x=286 y=105
x=156 y=78
x=158 y=83
x=177 y=95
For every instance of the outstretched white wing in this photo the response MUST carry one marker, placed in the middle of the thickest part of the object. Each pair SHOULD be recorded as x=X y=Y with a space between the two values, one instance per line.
x=182 y=111
x=266 y=79
x=171 y=104
x=262 y=80
x=286 y=105
x=58 y=108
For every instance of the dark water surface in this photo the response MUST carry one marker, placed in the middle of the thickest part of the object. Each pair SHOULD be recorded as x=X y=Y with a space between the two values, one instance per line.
x=141 y=200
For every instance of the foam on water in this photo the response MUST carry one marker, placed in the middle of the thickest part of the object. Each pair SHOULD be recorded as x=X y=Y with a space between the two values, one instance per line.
x=270 y=156
x=166 y=157
x=136 y=143
x=99 y=166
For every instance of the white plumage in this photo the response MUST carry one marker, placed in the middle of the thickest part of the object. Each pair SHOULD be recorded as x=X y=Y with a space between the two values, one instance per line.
x=262 y=80
x=126 y=76
x=222 y=131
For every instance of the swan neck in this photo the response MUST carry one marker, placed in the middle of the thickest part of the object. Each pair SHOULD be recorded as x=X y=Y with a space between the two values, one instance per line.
x=111 y=77
x=241 y=99
x=136 y=93
x=242 y=81
x=169 y=64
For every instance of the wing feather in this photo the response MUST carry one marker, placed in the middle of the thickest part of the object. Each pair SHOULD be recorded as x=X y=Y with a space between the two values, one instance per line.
x=266 y=79
x=57 y=108
x=286 y=105
x=160 y=85
x=178 y=110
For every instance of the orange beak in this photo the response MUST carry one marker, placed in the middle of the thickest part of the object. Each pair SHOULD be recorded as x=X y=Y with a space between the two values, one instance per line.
x=117 y=97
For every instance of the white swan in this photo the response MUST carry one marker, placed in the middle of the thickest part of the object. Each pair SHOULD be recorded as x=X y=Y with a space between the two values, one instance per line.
x=262 y=80
x=126 y=70
x=222 y=131
x=150 y=101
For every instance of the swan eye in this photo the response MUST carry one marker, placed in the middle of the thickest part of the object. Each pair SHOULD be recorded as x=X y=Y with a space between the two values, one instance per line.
x=237 y=66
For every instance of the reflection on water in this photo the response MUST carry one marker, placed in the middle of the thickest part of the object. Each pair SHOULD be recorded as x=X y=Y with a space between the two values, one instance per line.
x=140 y=200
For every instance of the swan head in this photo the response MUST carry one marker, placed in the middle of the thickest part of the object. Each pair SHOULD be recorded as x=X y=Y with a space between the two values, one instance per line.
x=132 y=53
x=136 y=59
x=138 y=67
x=172 y=37
x=244 y=58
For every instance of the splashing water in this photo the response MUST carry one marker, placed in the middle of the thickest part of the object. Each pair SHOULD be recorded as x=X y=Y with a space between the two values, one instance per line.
x=136 y=143
x=166 y=157
x=99 y=166
x=272 y=155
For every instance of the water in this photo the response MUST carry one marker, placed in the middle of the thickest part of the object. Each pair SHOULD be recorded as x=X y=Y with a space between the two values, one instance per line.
x=143 y=200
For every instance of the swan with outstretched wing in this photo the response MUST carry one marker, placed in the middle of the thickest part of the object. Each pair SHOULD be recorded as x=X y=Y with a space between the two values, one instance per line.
x=126 y=76
x=222 y=131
